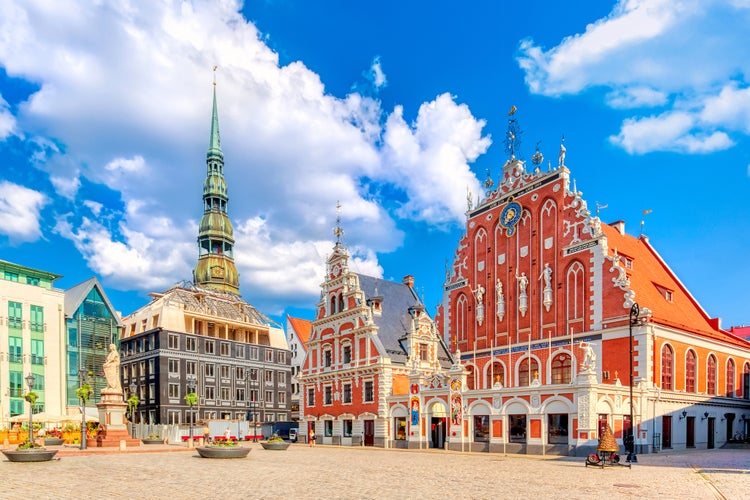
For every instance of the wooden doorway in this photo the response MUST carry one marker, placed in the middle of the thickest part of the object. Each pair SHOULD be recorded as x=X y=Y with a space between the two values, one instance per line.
x=666 y=431
x=711 y=432
x=369 y=432
x=690 y=432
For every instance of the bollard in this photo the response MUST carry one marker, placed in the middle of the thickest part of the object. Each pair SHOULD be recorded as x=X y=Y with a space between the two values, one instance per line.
x=123 y=445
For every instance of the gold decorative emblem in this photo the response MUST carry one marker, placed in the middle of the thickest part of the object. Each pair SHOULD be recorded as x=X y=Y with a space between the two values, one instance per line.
x=217 y=272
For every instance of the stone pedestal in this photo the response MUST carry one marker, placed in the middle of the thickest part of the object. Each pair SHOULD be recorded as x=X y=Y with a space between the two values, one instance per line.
x=112 y=421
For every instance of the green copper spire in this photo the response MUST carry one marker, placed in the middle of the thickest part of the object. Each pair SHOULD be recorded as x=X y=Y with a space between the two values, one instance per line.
x=215 y=269
x=214 y=145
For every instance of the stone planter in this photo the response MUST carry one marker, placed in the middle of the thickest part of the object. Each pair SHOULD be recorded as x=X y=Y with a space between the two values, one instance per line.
x=222 y=451
x=38 y=455
x=276 y=445
x=53 y=441
x=151 y=441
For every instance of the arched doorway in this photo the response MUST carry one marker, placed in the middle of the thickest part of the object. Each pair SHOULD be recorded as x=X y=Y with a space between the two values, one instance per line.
x=438 y=425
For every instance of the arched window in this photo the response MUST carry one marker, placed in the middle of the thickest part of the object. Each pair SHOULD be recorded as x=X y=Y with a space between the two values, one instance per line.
x=746 y=381
x=341 y=302
x=333 y=305
x=561 y=369
x=461 y=318
x=690 y=363
x=527 y=372
x=667 y=364
x=711 y=375
x=496 y=374
x=730 y=378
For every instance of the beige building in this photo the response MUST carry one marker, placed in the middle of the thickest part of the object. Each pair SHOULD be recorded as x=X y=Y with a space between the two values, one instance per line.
x=52 y=334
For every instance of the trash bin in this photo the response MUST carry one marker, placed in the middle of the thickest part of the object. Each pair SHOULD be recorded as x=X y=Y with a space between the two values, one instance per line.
x=657 y=442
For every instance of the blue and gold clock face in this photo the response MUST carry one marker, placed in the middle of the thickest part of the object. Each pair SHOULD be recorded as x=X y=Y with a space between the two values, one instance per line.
x=509 y=217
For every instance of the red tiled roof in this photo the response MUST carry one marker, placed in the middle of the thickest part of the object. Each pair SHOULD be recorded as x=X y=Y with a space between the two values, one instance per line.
x=650 y=276
x=302 y=327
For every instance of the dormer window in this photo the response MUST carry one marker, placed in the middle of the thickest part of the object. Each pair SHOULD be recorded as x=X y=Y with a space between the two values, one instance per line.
x=627 y=261
x=664 y=292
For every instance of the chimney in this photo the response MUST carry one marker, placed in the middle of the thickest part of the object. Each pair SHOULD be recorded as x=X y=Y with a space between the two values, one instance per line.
x=408 y=281
x=620 y=226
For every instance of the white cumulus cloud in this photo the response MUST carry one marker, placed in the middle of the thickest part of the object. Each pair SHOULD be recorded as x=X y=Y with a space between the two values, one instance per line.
x=124 y=100
x=671 y=57
x=20 y=209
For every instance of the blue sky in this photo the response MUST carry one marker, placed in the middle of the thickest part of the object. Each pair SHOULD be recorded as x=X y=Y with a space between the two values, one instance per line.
x=394 y=108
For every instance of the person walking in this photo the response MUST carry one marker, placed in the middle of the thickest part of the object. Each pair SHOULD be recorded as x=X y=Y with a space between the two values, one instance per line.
x=311 y=437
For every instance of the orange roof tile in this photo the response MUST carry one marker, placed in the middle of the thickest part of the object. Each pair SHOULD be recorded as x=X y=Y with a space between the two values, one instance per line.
x=650 y=277
x=302 y=327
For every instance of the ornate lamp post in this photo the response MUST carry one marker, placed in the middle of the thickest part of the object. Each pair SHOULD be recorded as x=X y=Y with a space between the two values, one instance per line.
x=83 y=396
x=190 y=399
x=30 y=379
x=632 y=458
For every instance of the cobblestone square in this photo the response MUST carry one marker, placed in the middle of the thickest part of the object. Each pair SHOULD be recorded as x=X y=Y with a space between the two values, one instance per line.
x=371 y=473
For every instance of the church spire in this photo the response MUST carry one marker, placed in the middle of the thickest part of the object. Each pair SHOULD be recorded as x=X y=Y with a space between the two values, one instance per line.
x=214 y=145
x=215 y=268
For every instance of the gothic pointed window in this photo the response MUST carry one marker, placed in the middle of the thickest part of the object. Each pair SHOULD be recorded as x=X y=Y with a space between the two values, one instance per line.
x=746 y=381
x=461 y=318
x=575 y=292
x=667 y=360
x=690 y=363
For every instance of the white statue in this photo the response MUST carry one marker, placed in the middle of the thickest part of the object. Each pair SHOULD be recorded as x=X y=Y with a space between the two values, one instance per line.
x=523 y=282
x=546 y=276
x=112 y=369
x=500 y=299
x=479 y=293
x=589 y=357
x=561 y=156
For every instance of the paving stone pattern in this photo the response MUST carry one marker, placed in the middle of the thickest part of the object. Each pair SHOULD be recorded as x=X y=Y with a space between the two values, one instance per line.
x=325 y=472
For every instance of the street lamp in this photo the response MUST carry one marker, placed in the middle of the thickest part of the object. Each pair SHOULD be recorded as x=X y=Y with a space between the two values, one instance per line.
x=634 y=311
x=83 y=397
x=132 y=406
x=30 y=379
x=191 y=401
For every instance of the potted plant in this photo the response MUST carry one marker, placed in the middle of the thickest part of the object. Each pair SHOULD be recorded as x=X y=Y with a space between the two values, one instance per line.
x=53 y=438
x=275 y=442
x=152 y=438
x=29 y=451
x=223 y=449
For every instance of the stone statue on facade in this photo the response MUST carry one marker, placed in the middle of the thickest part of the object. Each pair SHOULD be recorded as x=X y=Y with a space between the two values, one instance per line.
x=500 y=299
x=589 y=357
